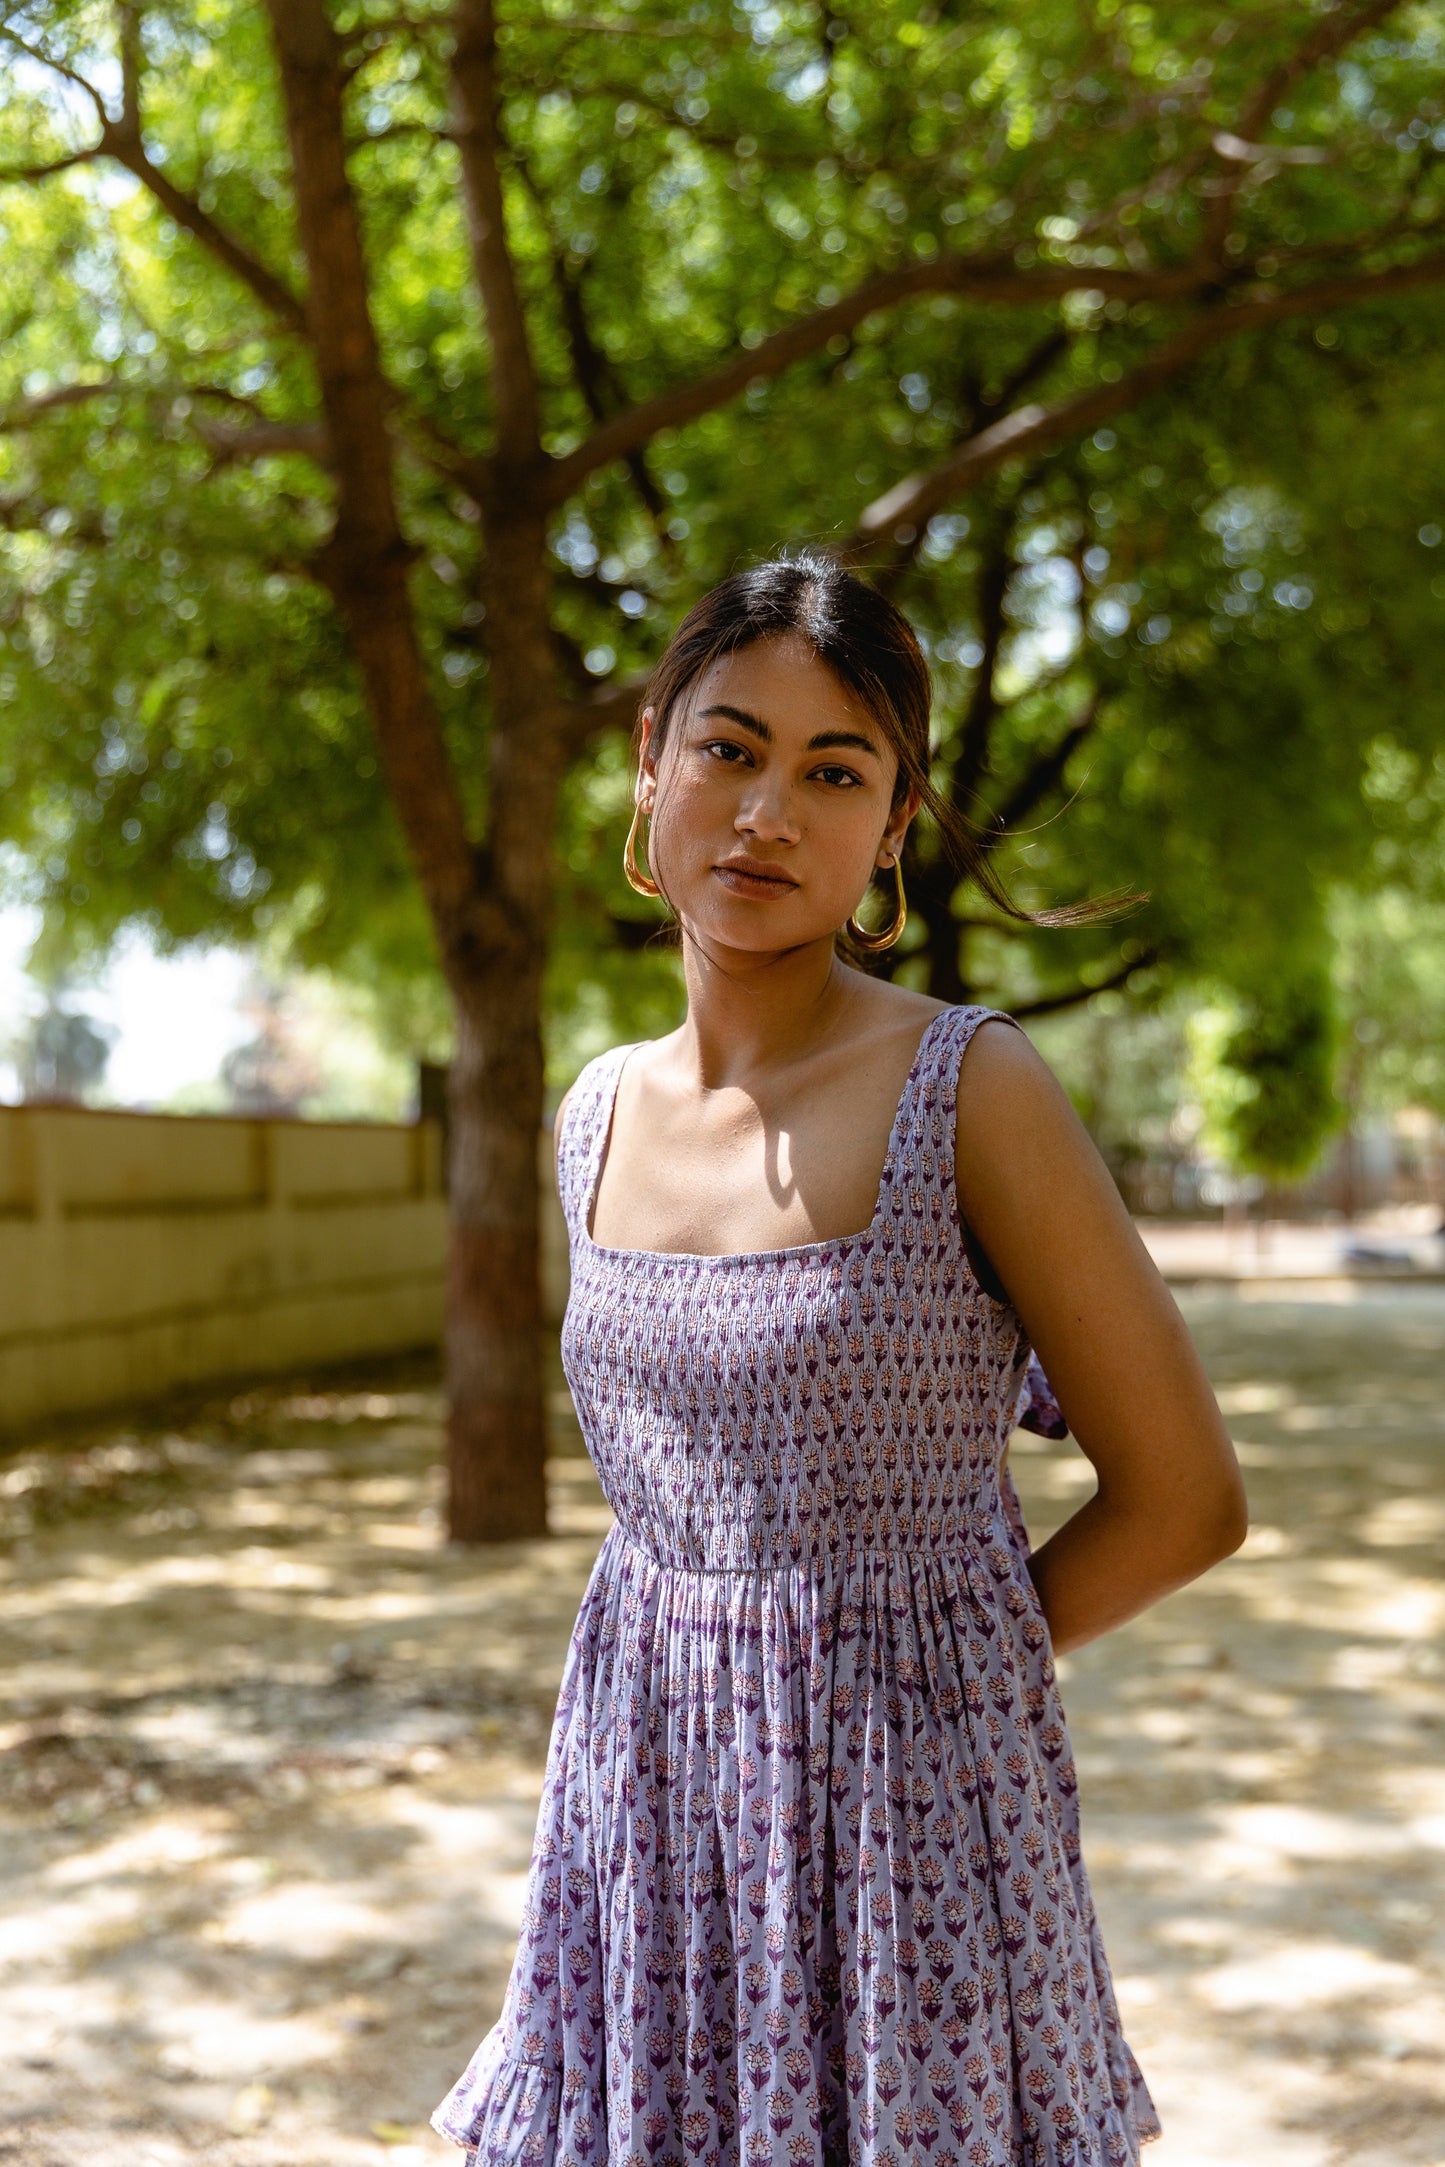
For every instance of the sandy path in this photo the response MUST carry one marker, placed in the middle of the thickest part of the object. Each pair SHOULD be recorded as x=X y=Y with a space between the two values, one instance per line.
x=272 y=1759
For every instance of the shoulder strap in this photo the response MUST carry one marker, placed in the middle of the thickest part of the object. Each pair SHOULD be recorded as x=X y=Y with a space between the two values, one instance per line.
x=938 y=1084
x=589 y=1101
x=923 y=1184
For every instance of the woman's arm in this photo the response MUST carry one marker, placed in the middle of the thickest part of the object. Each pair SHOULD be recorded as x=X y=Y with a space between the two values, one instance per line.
x=1039 y=1201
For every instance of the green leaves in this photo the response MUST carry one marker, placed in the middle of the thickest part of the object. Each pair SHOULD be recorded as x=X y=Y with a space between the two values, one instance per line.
x=1228 y=573
x=1283 y=1055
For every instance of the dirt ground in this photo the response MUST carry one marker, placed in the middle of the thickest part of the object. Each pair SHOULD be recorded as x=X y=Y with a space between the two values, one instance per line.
x=272 y=1757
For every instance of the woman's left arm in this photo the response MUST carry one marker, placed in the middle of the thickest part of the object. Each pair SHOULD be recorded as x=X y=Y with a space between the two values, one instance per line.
x=1040 y=1202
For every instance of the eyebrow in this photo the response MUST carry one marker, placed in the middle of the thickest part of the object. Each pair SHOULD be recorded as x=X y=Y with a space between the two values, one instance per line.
x=761 y=729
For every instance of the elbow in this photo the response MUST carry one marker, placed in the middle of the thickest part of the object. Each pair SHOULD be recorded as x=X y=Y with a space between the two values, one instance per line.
x=1198 y=1529
x=1230 y=1523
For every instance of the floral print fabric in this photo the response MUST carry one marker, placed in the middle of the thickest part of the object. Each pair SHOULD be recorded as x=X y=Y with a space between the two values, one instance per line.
x=806 y=1885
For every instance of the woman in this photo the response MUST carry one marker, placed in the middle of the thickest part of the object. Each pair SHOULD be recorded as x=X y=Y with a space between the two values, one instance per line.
x=807 y=1884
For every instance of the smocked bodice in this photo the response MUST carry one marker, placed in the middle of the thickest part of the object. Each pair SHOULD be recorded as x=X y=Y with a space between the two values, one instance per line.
x=791 y=1405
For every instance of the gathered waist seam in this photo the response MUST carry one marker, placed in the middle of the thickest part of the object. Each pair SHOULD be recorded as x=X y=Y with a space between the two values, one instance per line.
x=823 y=1560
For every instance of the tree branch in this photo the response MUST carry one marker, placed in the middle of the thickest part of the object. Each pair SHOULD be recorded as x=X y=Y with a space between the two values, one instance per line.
x=25 y=411
x=1033 y=365
x=131 y=57
x=998 y=568
x=1037 y=428
x=595 y=375
x=121 y=140
x=1046 y=773
x=395 y=130
x=264 y=440
x=1052 y=1004
x=32 y=514
x=53 y=165
x=1332 y=32
x=27 y=513
x=43 y=59
x=431 y=441
x=477 y=132
x=984 y=279
x=611 y=707
x=263 y=434
x=272 y=292
x=364 y=565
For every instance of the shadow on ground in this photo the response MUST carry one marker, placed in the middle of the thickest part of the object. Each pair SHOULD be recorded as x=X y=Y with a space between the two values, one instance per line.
x=272 y=1756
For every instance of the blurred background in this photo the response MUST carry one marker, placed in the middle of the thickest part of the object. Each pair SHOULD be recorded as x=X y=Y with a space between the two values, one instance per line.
x=378 y=387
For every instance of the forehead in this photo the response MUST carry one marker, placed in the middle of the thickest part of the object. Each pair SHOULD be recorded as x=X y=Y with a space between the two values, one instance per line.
x=783 y=682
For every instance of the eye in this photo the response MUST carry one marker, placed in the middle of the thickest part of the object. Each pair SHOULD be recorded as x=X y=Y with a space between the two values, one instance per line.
x=722 y=744
x=851 y=780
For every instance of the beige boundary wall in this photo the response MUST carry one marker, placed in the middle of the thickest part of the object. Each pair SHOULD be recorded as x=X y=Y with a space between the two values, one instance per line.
x=139 y=1252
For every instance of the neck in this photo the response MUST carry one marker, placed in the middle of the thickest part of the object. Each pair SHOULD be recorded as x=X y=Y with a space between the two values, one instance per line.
x=749 y=1015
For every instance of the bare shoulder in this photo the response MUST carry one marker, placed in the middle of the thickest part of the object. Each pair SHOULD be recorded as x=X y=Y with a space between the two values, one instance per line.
x=1016 y=1128
x=893 y=1014
x=1004 y=1073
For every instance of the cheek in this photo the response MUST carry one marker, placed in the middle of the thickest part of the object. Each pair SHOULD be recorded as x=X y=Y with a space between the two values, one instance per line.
x=691 y=814
x=692 y=791
x=854 y=822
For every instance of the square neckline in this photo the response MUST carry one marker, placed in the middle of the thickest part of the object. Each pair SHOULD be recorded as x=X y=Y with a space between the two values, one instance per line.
x=601 y=1138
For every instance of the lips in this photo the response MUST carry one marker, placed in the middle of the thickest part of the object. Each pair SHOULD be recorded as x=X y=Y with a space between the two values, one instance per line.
x=752 y=869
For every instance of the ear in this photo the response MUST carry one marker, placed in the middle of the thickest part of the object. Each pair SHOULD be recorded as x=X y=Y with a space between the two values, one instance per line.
x=646 y=763
x=896 y=832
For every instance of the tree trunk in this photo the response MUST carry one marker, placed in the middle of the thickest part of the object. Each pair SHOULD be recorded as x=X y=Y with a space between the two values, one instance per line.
x=496 y=1436
x=496 y=1426
x=945 y=946
x=490 y=904
x=930 y=878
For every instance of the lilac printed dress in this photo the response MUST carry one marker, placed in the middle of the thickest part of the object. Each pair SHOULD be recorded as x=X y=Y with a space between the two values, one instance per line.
x=806 y=1885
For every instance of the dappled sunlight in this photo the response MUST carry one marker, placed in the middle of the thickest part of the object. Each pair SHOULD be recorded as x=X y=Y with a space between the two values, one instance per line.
x=159 y=1846
x=1261 y=1756
x=1264 y=1838
x=217 y=2037
x=273 y=1754
x=1299 y=1975
x=296 y=1919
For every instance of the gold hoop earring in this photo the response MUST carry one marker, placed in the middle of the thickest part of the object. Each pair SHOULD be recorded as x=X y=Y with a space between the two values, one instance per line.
x=873 y=944
x=643 y=883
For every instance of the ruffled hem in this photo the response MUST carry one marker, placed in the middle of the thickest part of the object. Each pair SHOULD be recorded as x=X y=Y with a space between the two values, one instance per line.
x=503 y=2107
x=505 y=2111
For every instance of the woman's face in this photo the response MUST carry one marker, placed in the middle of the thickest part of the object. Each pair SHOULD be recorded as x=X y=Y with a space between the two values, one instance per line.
x=769 y=758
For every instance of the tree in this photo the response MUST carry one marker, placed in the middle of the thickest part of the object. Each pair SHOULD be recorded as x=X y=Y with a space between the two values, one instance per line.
x=61 y=1054
x=440 y=355
x=1391 y=971
x=271 y=1073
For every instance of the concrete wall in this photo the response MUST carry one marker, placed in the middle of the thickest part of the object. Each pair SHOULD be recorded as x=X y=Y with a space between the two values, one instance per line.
x=143 y=1251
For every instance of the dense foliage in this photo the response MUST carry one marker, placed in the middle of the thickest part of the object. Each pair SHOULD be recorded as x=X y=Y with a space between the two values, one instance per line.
x=1202 y=613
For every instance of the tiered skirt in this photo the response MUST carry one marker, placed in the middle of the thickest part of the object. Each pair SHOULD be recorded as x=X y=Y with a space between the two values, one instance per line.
x=806 y=1885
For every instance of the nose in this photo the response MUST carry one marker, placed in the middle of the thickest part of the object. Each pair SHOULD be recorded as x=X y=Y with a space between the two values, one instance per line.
x=767 y=812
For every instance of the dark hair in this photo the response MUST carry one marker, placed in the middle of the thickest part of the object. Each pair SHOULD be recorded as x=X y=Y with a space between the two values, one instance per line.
x=873 y=650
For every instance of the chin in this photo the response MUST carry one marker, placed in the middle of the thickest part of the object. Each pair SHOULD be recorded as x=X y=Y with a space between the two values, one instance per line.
x=758 y=940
